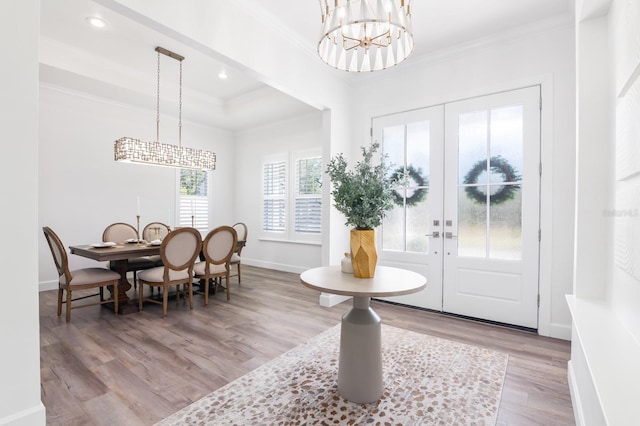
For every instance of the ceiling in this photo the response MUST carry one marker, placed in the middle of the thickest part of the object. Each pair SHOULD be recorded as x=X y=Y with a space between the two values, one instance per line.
x=119 y=60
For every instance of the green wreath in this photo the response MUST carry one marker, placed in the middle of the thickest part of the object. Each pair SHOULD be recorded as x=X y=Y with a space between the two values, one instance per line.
x=400 y=175
x=498 y=165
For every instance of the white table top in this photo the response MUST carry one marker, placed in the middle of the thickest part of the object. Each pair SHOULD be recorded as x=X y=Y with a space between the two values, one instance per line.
x=387 y=281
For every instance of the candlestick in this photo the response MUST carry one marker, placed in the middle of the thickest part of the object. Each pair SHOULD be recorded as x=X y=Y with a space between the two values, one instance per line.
x=138 y=227
x=193 y=221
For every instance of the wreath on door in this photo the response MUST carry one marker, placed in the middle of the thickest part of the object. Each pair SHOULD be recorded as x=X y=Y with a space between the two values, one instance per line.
x=410 y=178
x=500 y=166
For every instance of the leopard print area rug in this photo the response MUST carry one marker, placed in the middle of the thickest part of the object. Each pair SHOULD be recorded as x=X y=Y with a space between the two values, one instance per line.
x=428 y=381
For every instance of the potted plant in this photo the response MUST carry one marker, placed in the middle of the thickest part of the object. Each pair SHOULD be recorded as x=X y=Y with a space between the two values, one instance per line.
x=363 y=195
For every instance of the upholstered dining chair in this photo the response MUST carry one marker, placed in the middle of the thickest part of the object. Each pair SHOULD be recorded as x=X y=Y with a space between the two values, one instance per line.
x=121 y=232
x=178 y=252
x=218 y=247
x=155 y=231
x=79 y=279
x=241 y=231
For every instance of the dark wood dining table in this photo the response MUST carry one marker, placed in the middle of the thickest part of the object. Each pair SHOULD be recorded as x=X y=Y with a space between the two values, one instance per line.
x=118 y=257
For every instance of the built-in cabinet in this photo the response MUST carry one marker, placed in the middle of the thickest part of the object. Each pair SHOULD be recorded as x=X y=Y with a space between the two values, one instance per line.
x=604 y=371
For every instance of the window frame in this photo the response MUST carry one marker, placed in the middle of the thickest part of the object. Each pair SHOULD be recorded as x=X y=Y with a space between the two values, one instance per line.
x=289 y=234
x=193 y=205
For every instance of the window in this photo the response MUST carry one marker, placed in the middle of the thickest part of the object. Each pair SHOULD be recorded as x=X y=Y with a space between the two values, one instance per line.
x=292 y=196
x=308 y=204
x=193 y=199
x=274 y=201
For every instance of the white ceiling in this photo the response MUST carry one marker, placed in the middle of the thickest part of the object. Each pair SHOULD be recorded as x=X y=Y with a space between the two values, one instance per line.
x=119 y=61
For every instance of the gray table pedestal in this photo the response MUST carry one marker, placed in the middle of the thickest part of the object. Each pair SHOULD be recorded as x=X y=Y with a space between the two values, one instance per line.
x=360 y=368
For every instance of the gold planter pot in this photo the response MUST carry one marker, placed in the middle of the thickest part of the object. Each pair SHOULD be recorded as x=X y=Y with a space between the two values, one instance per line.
x=363 y=252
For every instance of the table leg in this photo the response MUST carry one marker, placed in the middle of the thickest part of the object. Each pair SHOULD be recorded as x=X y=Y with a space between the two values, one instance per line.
x=124 y=307
x=360 y=367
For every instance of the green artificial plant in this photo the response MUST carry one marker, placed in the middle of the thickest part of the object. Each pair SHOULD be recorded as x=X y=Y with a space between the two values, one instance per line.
x=365 y=193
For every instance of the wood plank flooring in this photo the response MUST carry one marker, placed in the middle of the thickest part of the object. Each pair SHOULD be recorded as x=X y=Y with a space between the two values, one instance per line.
x=107 y=369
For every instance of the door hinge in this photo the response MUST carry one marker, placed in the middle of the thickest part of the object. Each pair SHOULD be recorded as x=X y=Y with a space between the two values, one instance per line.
x=538 y=301
x=371 y=131
x=540 y=103
x=540 y=168
x=539 y=235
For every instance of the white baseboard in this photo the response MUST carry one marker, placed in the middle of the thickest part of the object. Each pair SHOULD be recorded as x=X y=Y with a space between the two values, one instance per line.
x=32 y=416
x=48 y=285
x=328 y=300
x=560 y=331
x=275 y=266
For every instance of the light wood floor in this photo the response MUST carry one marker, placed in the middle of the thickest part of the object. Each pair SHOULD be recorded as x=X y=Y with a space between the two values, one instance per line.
x=107 y=369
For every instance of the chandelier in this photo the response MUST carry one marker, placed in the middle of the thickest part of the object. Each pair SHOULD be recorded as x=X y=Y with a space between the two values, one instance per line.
x=160 y=154
x=365 y=35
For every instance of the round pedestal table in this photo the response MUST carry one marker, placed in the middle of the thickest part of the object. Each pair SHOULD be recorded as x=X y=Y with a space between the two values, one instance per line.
x=360 y=364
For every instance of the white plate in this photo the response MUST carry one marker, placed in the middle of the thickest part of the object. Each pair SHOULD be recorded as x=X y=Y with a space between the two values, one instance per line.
x=132 y=240
x=156 y=243
x=103 y=245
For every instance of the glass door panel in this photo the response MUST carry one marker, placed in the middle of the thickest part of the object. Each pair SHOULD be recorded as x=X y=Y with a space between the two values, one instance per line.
x=412 y=142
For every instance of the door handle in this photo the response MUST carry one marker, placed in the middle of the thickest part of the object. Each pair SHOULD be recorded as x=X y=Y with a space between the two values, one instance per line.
x=449 y=235
x=435 y=234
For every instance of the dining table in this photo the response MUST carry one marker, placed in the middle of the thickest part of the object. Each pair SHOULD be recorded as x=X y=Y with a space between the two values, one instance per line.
x=118 y=256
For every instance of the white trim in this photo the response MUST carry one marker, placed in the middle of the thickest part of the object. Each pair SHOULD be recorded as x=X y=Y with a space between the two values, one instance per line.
x=286 y=241
x=48 y=285
x=559 y=331
x=545 y=287
x=35 y=415
x=575 y=395
x=328 y=300
x=275 y=266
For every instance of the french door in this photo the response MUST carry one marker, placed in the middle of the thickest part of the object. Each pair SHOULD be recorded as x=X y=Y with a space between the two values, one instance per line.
x=467 y=204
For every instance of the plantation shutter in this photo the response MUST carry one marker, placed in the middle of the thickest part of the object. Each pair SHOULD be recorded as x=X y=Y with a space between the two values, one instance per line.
x=274 y=215
x=193 y=201
x=308 y=201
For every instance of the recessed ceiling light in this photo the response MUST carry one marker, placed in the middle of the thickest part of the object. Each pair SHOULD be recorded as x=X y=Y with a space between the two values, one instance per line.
x=222 y=75
x=96 y=22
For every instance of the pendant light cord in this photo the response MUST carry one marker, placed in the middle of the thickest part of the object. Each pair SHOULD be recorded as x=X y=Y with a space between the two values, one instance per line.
x=180 y=111
x=158 y=102
x=179 y=58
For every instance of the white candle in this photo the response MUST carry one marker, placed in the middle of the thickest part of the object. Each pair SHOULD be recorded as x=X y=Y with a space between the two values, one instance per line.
x=138 y=205
x=192 y=208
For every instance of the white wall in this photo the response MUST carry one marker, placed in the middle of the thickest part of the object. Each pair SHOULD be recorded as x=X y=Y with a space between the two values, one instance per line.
x=20 y=367
x=543 y=57
x=252 y=146
x=82 y=189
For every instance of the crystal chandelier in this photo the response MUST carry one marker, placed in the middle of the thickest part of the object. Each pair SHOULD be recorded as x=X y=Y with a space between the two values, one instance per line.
x=160 y=154
x=365 y=35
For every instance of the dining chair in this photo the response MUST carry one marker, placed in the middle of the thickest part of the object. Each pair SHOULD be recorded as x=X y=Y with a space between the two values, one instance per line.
x=121 y=232
x=178 y=252
x=155 y=231
x=79 y=279
x=218 y=247
x=241 y=230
